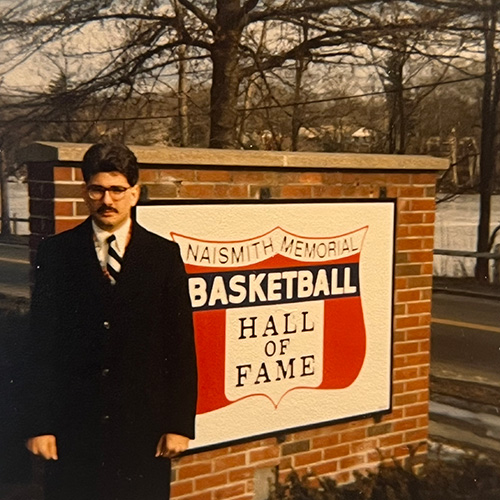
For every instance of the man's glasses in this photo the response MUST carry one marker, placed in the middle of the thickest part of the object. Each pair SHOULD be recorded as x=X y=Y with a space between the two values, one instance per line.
x=97 y=192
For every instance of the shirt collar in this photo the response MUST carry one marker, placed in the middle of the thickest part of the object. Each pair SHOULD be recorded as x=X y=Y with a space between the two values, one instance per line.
x=121 y=234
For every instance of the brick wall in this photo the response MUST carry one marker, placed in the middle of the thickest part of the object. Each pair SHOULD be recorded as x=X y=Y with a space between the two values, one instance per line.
x=335 y=450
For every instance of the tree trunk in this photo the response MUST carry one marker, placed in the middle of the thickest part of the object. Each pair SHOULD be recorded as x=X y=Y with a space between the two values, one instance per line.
x=249 y=93
x=401 y=115
x=4 y=194
x=296 y=112
x=394 y=87
x=487 y=160
x=182 y=98
x=392 y=125
x=225 y=75
x=300 y=67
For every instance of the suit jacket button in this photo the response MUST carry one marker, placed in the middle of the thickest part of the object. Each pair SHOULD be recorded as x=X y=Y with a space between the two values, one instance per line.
x=106 y=325
x=105 y=419
x=105 y=372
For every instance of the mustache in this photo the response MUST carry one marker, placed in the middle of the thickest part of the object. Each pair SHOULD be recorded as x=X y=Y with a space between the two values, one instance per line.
x=105 y=208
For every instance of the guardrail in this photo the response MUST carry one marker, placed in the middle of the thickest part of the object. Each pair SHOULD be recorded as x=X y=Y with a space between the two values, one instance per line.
x=14 y=223
x=493 y=255
x=465 y=253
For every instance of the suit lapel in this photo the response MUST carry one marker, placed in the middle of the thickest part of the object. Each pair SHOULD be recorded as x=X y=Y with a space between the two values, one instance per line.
x=133 y=261
x=88 y=263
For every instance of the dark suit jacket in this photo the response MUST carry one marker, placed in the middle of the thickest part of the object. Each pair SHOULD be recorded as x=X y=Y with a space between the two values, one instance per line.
x=109 y=366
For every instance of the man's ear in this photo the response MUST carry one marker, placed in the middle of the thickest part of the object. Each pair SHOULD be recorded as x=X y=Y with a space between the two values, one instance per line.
x=136 y=193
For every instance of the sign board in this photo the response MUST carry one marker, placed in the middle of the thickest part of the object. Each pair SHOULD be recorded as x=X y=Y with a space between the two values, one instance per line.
x=292 y=309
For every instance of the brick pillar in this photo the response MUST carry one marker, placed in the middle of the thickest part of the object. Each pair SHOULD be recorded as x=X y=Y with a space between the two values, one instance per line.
x=41 y=203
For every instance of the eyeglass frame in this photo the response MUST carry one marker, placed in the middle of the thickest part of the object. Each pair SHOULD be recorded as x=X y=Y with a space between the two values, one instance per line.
x=116 y=192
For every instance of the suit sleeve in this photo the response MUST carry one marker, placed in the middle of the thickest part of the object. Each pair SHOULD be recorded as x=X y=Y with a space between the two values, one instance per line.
x=181 y=355
x=38 y=389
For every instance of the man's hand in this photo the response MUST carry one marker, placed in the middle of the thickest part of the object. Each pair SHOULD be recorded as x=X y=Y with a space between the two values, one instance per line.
x=44 y=446
x=171 y=445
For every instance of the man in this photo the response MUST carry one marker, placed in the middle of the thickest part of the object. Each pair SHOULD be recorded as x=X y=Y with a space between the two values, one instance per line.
x=111 y=372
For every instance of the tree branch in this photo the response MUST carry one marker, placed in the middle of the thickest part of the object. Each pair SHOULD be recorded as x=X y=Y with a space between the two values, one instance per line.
x=204 y=18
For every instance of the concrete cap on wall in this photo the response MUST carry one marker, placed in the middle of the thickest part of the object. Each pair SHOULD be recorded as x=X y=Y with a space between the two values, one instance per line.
x=61 y=152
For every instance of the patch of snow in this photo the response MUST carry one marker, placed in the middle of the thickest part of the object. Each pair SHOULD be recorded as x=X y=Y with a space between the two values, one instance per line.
x=489 y=423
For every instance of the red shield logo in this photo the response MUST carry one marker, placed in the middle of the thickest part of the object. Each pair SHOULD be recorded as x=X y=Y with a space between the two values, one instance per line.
x=275 y=313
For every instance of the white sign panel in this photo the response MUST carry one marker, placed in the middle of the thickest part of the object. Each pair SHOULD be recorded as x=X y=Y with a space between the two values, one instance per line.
x=292 y=306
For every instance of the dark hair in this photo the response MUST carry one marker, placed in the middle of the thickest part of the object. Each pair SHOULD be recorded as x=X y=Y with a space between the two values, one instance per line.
x=110 y=157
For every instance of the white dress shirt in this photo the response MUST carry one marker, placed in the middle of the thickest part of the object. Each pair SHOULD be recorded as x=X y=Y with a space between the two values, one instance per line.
x=101 y=245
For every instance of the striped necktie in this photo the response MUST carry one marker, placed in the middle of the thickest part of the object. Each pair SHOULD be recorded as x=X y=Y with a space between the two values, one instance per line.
x=114 y=260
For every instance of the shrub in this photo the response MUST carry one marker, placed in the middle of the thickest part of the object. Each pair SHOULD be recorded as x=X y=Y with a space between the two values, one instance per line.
x=467 y=478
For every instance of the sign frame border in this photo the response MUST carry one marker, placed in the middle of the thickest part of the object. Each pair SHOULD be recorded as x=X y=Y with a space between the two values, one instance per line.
x=281 y=434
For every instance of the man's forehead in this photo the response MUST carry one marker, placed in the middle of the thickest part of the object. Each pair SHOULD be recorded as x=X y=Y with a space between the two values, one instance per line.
x=109 y=179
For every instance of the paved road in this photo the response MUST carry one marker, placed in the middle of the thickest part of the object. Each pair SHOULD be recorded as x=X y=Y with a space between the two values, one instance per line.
x=14 y=270
x=465 y=348
x=466 y=338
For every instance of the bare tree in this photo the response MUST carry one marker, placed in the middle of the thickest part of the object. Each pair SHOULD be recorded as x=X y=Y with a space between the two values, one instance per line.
x=134 y=44
x=301 y=63
x=475 y=21
x=488 y=158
